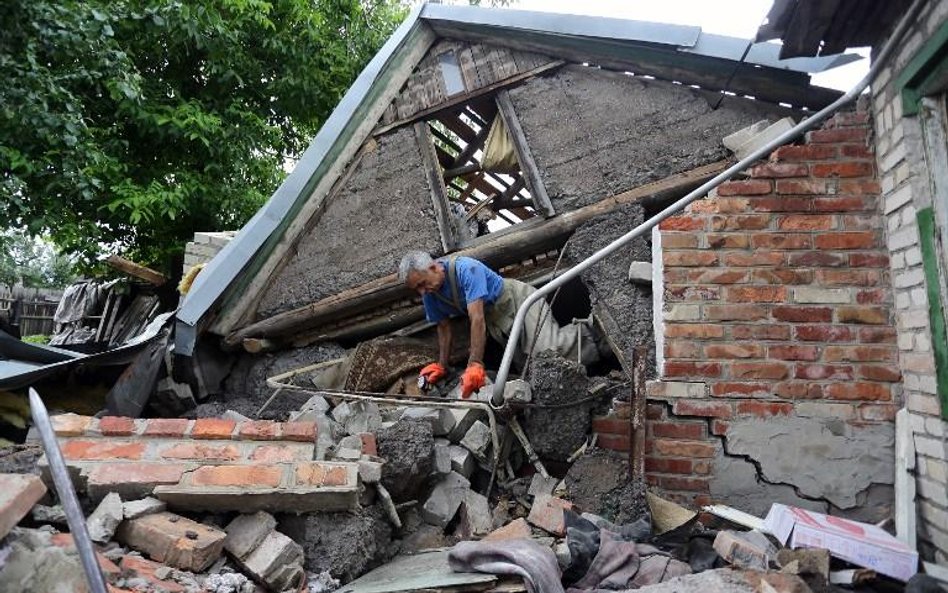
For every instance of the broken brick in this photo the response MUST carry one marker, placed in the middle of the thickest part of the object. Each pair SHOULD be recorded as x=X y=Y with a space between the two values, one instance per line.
x=547 y=514
x=18 y=494
x=174 y=540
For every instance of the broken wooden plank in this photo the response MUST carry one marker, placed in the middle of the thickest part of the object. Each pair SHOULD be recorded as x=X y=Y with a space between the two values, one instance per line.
x=139 y=271
x=439 y=199
x=527 y=165
x=499 y=251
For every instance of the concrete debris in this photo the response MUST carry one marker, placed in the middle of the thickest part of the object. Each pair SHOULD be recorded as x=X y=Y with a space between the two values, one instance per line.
x=547 y=514
x=462 y=461
x=517 y=529
x=475 y=518
x=464 y=419
x=518 y=391
x=370 y=471
x=407 y=446
x=173 y=540
x=385 y=499
x=49 y=514
x=640 y=272
x=442 y=420
x=563 y=556
x=105 y=519
x=805 y=561
x=441 y=459
x=18 y=494
x=444 y=500
x=33 y=564
x=246 y=532
x=321 y=583
x=228 y=582
x=477 y=441
x=276 y=563
x=745 y=549
x=540 y=486
x=134 y=509
x=599 y=482
x=555 y=381
x=357 y=417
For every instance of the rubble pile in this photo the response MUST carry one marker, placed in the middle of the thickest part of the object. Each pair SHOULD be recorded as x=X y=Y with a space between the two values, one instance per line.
x=433 y=494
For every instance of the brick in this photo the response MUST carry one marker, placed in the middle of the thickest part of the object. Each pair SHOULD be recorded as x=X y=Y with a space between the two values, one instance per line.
x=250 y=476
x=856 y=151
x=683 y=223
x=859 y=354
x=692 y=369
x=116 y=426
x=793 y=352
x=817 y=258
x=166 y=427
x=669 y=389
x=877 y=413
x=860 y=222
x=823 y=371
x=615 y=442
x=610 y=425
x=76 y=449
x=655 y=411
x=783 y=203
x=200 y=452
x=801 y=186
x=315 y=473
x=760 y=332
x=735 y=312
x=847 y=277
x=863 y=315
x=869 y=260
x=803 y=153
x=727 y=241
x=805 y=222
x=738 y=389
x=749 y=222
x=842 y=169
x=858 y=391
x=279 y=454
x=844 y=204
x=259 y=430
x=810 y=294
x=784 y=276
x=692 y=293
x=750 y=187
x=719 y=427
x=782 y=241
x=132 y=480
x=862 y=186
x=145 y=569
x=731 y=351
x=873 y=297
x=369 y=444
x=70 y=425
x=681 y=349
x=694 y=330
x=716 y=276
x=847 y=240
x=174 y=540
x=824 y=410
x=877 y=335
x=679 y=241
x=668 y=466
x=722 y=205
x=794 y=390
x=837 y=135
x=756 y=294
x=682 y=483
x=678 y=430
x=18 y=494
x=802 y=314
x=680 y=448
x=823 y=333
x=764 y=409
x=850 y=118
x=547 y=514
x=758 y=258
x=304 y=432
x=517 y=529
x=689 y=258
x=684 y=407
x=759 y=370
x=771 y=170
x=213 y=428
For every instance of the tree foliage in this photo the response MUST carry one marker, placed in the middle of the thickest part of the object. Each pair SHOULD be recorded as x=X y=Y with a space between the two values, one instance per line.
x=126 y=125
x=33 y=262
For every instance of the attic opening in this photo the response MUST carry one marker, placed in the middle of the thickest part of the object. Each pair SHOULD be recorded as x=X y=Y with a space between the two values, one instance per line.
x=480 y=152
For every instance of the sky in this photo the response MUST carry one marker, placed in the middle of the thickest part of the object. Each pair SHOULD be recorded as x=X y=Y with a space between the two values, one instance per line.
x=735 y=18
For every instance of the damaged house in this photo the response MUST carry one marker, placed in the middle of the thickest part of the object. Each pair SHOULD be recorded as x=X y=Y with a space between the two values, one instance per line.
x=780 y=340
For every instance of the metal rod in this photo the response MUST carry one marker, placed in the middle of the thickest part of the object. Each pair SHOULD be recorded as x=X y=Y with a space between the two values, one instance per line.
x=67 y=494
x=791 y=134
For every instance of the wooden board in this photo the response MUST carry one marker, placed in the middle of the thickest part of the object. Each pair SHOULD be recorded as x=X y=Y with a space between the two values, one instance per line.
x=426 y=571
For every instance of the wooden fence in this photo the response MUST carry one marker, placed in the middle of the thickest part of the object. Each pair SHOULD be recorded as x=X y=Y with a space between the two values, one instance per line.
x=36 y=308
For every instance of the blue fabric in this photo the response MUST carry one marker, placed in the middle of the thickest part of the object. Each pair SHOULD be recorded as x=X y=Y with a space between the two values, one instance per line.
x=475 y=281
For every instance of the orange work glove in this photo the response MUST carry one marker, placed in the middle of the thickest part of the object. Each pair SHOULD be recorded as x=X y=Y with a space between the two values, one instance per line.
x=431 y=374
x=472 y=379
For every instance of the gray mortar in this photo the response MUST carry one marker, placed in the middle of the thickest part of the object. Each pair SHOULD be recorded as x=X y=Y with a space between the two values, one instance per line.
x=557 y=433
x=599 y=482
x=624 y=308
x=832 y=460
x=382 y=210
x=20 y=459
x=346 y=544
x=407 y=447
x=623 y=131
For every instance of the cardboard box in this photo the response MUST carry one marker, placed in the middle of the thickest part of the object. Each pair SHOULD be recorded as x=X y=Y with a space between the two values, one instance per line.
x=860 y=543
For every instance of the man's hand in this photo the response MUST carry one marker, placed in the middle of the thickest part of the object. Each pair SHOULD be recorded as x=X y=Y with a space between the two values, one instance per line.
x=472 y=379
x=431 y=374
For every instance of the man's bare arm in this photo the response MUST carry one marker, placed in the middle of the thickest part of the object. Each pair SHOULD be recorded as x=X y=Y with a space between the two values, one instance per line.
x=475 y=311
x=444 y=342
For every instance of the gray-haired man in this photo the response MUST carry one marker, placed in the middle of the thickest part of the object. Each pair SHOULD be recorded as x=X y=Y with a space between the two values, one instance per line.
x=460 y=286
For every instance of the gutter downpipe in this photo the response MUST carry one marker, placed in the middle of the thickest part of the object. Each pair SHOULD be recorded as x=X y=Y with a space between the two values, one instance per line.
x=497 y=398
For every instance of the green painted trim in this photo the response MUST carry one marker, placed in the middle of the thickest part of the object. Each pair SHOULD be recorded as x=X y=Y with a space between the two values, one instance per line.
x=936 y=315
x=923 y=65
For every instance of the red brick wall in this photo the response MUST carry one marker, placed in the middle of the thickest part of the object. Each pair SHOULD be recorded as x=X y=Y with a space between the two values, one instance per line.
x=777 y=301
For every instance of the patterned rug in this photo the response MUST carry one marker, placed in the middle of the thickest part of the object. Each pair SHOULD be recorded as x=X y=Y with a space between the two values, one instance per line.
x=375 y=365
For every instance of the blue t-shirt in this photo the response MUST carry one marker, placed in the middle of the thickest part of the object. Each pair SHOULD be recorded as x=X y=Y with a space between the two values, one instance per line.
x=475 y=281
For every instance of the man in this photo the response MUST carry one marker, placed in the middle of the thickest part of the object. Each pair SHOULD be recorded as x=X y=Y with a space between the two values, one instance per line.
x=462 y=286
